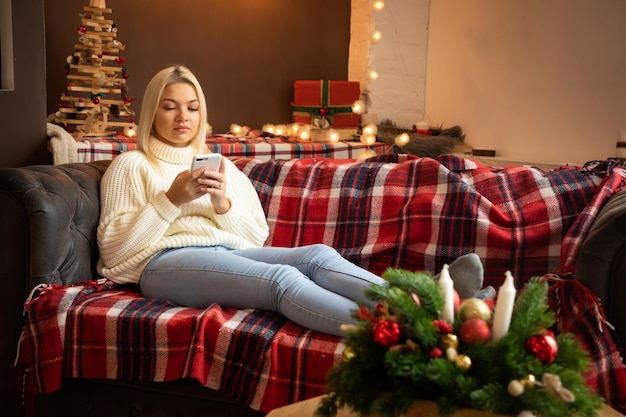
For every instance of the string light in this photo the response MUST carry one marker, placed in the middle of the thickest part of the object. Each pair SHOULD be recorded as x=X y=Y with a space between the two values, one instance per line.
x=378 y=5
x=304 y=133
x=402 y=139
x=280 y=130
x=370 y=129
x=368 y=139
x=375 y=37
x=129 y=131
x=269 y=128
x=358 y=107
x=236 y=129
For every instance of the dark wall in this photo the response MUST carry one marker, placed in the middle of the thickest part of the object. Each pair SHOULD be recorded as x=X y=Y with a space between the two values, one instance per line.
x=23 y=109
x=247 y=54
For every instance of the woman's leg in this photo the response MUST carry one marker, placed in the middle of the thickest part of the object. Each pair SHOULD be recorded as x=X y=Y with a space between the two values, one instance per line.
x=199 y=277
x=323 y=265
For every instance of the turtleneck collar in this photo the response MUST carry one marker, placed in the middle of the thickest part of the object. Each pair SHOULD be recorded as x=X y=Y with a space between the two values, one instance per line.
x=170 y=154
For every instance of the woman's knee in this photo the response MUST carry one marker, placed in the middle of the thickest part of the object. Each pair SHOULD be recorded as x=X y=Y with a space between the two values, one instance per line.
x=322 y=250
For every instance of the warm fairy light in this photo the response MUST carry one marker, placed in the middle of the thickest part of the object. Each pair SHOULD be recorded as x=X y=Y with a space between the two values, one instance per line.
x=333 y=136
x=376 y=36
x=293 y=130
x=378 y=5
x=304 y=134
x=372 y=74
x=129 y=131
x=402 y=139
x=368 y=139
x=269 y=128
x=280 y=130
x=236 y=129
x=358 y=107
x=370 y=129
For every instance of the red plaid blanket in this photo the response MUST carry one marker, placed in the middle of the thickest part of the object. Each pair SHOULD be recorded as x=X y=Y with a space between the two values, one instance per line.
x=104 y=330
x=419 y=213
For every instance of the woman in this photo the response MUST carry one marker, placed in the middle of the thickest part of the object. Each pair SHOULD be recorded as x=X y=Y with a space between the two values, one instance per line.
x=196 y=238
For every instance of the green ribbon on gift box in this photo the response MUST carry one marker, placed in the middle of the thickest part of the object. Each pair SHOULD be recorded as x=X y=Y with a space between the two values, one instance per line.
x=324 y=110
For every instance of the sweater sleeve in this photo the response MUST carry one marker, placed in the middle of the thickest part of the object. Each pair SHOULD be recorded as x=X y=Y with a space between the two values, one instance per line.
x=246 y=217
x=129 y=223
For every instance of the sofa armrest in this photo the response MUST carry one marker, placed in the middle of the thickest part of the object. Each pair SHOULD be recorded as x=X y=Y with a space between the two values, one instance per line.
x=59 y=208
x=48 y=220
x=601 y=263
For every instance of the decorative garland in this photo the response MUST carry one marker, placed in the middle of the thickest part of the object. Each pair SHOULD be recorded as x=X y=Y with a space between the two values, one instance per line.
x=402 y=352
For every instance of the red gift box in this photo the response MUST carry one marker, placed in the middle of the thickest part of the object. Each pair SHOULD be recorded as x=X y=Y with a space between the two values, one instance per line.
x=326 y=99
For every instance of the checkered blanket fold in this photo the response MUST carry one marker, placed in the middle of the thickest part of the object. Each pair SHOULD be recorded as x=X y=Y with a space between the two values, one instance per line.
x=99 y=329
x=419 y=213
x=388 y=211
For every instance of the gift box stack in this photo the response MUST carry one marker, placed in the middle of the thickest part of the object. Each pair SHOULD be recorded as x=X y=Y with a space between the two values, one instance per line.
x=327 y=105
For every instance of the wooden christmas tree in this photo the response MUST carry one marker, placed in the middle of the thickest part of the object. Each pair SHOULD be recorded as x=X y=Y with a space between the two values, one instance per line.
x=97 y=101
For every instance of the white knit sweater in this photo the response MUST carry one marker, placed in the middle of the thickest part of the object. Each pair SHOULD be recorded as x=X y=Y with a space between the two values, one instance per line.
x=137 y=220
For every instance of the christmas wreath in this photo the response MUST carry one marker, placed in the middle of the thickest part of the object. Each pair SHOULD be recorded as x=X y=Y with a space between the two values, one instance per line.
x=402 y=351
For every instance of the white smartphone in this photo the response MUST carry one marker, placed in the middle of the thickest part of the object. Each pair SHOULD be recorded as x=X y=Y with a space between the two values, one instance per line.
x=209 y=160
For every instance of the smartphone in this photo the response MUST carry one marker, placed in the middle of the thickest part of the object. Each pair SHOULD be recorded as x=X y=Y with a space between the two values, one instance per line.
x=209 y=160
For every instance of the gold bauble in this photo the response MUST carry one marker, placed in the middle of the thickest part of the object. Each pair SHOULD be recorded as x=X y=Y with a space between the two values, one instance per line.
x=474 y=308
x=449 y=340
x=348 y=354
x=529 y=381
x=463 y=361
x=515 y=388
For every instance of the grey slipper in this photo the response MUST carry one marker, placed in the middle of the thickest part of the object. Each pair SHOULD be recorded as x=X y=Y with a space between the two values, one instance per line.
x=467 y=274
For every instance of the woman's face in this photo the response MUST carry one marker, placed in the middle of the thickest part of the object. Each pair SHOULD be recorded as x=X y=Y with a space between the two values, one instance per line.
x=177 y=118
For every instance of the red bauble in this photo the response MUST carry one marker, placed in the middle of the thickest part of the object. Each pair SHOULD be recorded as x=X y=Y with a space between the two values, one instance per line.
x=96 y=100
x=443 y=326
x=435 y=353
x=543 y=346
x=475 y=330
x=387 y=333
x=324 y=111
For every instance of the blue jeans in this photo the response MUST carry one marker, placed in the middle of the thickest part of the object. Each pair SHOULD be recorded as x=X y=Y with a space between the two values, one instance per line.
x=313 y=286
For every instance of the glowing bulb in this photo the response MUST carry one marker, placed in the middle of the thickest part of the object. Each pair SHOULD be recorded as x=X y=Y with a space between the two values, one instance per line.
x=372 y=74
x=378 y=5
x=236 y=129
x=304 y=134
x=368 y=139
x=280 y=130
x=376 y=36
x=269 y=128
x=129 y=131
x=402 y=139
x=333 y=136
x=358 y=107
x=370 y=129
x=293 y=130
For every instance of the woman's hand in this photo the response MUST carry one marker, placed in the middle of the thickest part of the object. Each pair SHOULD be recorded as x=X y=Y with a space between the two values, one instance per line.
x=187 y=186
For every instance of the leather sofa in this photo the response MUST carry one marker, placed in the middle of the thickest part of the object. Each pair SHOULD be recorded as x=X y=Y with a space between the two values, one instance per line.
x=41 y=205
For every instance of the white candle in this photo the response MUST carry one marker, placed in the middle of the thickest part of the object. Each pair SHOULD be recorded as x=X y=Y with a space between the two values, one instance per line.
x=447 y=288
x=504 y=307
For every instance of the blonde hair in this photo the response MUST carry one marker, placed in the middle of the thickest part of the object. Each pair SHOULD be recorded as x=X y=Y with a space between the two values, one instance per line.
x=151 y=98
